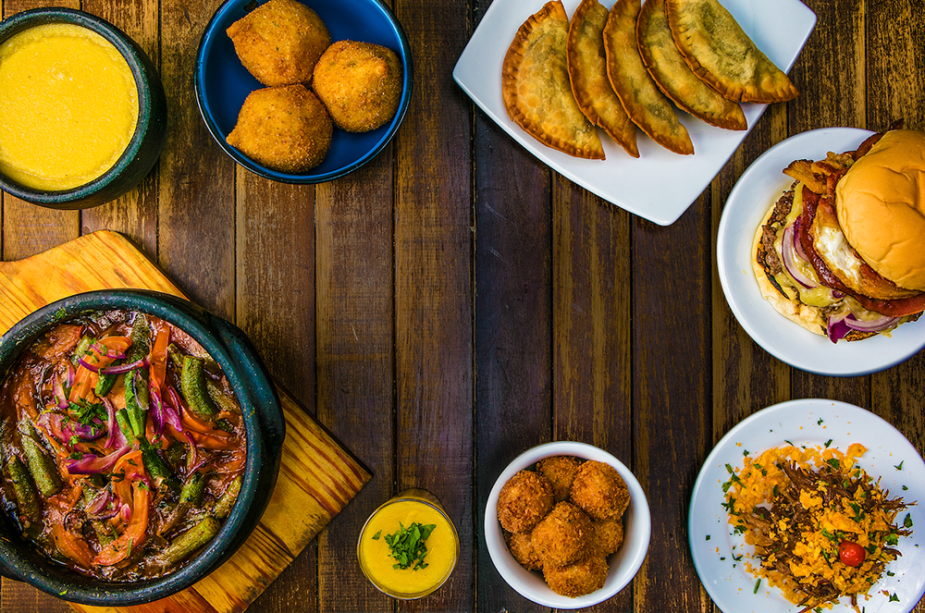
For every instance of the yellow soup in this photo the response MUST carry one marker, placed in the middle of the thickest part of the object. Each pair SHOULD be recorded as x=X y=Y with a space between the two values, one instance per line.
x=377 y=563
x=68 y=106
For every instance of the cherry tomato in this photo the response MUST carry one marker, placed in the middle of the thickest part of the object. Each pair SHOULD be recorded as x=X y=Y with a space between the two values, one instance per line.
x=851 y=554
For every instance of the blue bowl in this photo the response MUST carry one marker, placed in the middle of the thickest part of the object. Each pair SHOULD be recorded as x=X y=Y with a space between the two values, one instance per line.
x=222 y=83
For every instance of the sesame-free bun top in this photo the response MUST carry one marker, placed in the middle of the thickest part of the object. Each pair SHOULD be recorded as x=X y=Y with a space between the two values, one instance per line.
x=881 y=207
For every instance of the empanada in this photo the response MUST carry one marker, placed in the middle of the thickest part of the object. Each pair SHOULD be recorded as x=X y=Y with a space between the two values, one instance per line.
x=536 y=89
x=675 y=78
x=644 y=103
x=587 y=67
x=722 y=55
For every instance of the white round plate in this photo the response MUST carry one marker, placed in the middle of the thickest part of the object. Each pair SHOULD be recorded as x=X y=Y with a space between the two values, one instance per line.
x=812 y=423
x=759 y=187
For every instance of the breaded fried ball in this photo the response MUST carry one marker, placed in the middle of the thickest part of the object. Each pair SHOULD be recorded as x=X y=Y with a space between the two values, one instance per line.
x=577 y=579
x=523 y=501
x=561 y=471
x=608 y=535
x=564 y=536
x=360 y=83
x=521 y=547
x=284 y=128
x=600 y=491
x=279 y=42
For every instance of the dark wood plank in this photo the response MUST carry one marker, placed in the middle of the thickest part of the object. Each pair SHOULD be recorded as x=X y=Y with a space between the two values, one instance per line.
x=513 y=302
x=591 y=329
x=433 y=288
x=746 y=378
x=196 y=213
x=275 y=306
x=135 y=213
x=356 y=363
x=672 y=409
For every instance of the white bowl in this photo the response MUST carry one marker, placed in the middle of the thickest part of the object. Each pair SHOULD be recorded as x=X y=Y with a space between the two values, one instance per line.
x=623 y=565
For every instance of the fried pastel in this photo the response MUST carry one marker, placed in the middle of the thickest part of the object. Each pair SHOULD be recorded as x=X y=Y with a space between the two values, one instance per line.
x=536 y=89
x=675 y=78
x=587 y=67
x=644 y=102
x=721 y=53
x=284 y=128
x=280 y=41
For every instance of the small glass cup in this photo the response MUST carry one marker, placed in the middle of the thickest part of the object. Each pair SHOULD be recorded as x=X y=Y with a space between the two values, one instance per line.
x=372 y=553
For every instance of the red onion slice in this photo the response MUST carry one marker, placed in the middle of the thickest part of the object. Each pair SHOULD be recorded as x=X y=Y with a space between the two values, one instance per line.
x=790 y=260
x=99 y=503
x=875 y=325
x=837 y=329
x=88 y=365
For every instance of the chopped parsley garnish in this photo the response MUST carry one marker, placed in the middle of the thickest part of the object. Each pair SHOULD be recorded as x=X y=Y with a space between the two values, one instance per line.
x=907 y=523
x=827 y=443
x=833 y=462
x=708 y=537
x=407 y=546
x=745 y=453
x=819 y=423
x=894 y=597
x=900 y=465
x=757 y=585
x=376 y=535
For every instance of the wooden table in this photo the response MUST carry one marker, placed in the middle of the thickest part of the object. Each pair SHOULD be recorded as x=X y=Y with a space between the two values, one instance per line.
x=455 y=302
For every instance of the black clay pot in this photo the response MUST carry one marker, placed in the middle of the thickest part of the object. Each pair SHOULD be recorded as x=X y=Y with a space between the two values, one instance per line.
x=263 y=421
x=145 y=146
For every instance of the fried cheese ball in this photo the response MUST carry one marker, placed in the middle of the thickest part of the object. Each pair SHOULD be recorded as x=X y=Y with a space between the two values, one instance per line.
x=608 y=535
x=561 y=471
x=279 y=42
x=360 y=83
x=600 y=491
x=521 y=547
x=564 y=536
x=523 y=501
x=582 y=577
x=283 y=128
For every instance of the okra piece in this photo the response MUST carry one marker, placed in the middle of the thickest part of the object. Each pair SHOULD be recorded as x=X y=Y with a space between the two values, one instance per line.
x=188 y=542
x=82 y=346
x=194 y=389
x=157 y=467
x=106 y=381
x=224 y=425
x=141 y=339
x=225 y=503
x=26 y=499
x=223 y=401
x=193 y=488
x=43 y=470
x=137 y=398
x=125 y=425
x=174 y=454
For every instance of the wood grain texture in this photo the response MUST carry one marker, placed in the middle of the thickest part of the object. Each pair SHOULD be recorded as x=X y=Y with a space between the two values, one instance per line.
x=433 y=285
x=592 y=329
x=356 y=363
x=513 y=325
x=671 y=396
x=317 y=476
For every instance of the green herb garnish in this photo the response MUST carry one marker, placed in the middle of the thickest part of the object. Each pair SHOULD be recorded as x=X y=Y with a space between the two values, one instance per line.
x=407 y=546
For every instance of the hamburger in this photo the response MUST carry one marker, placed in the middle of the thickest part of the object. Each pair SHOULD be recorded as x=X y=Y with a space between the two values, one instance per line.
x=842 y=252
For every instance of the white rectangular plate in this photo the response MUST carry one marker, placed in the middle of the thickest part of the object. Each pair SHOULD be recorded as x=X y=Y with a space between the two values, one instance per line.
x=660 y=185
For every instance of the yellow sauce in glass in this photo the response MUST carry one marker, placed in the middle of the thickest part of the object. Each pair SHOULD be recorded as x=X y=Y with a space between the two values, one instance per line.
x=68 y=106
x=377 y=564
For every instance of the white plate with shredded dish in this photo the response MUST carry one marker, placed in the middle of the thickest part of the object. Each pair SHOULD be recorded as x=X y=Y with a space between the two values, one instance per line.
x=718 y=553
x=758 y=188
x=659 y=185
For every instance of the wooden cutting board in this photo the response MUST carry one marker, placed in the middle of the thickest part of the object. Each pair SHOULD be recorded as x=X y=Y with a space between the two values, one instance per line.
x=317 y=477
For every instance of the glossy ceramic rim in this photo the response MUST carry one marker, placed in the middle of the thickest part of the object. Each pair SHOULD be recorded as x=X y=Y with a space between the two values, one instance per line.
x=124 y=45
x=438 y=509
x=205 y=46
x=623 y=565
x=180 y=313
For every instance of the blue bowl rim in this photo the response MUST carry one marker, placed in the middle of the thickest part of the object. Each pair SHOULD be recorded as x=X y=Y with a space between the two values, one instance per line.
x=120 y=40
x=205 y=44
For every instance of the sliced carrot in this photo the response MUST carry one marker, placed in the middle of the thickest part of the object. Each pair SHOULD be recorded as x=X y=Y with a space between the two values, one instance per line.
x=159 y=357
x=134 y=535
x=85 y=379
x=71 y=546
